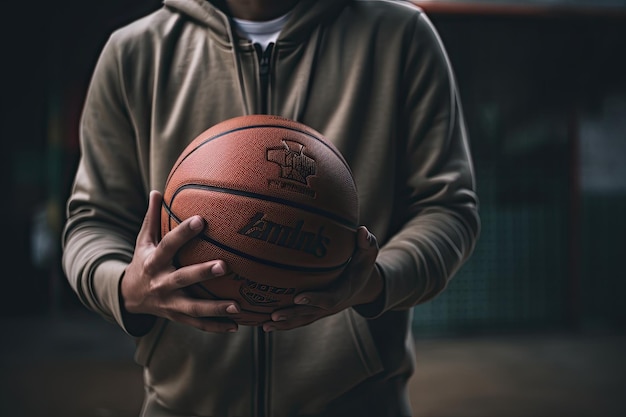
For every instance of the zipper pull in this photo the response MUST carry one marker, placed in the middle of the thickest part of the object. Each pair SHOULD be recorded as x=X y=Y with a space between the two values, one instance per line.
x=264 y=71
x=264 y=58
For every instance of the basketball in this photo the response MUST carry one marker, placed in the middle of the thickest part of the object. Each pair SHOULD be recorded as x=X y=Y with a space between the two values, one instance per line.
x=280 y=205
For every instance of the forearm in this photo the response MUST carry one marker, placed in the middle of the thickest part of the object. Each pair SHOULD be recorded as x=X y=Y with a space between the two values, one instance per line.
x=418 y=262
x=94 y=261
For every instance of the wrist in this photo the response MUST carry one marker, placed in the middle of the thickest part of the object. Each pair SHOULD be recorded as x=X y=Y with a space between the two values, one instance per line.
x=373 y=300
x=136 y=324
x=374 y=287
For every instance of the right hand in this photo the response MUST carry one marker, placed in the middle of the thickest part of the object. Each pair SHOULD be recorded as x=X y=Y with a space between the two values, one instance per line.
x=152 y=286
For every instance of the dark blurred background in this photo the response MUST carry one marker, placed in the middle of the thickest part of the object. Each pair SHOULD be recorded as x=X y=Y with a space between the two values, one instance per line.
x=543 y=84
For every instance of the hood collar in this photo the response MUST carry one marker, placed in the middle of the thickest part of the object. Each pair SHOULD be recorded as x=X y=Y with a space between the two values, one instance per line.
x=306 y=15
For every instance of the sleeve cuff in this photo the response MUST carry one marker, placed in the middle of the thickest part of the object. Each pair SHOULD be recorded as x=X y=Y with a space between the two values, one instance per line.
x=107 y=280
x=111 y=273
x=376 y=308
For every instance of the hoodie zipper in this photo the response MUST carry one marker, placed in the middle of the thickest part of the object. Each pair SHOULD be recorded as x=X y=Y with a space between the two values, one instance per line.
x=264 y=73
x=262 y=374
x=263 y=339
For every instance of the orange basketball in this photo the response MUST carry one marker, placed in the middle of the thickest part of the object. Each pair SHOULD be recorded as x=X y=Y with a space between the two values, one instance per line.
x=281 y=208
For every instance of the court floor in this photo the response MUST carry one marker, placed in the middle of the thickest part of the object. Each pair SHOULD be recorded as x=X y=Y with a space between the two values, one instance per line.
x=82 y=367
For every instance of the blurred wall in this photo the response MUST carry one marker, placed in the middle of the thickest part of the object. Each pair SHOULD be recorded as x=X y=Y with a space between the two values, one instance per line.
x=544 y=97
x=544 y=92
x=48 y=52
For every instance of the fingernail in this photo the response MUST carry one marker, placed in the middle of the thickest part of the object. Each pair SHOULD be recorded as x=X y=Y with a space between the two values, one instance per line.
x=268 y=328
x=217 y=270
x=231 y=329
x=303 y=300
x=196 y=223
x=232 y=309
x=280 y=318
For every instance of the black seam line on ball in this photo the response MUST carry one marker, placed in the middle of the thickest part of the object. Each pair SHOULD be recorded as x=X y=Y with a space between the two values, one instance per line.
x=341 y=220
x=278 y=126
x=211 y=138
x=267 y=262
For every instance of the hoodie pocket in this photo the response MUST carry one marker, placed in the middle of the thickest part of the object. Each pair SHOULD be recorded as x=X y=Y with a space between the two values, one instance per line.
x=146 y=344
x=313 y=365
x=191 y=372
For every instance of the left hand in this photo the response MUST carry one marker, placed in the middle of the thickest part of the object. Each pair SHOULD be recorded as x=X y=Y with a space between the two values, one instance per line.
x=360 y=283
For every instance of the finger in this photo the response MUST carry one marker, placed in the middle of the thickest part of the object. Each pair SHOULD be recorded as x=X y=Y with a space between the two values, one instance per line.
x=365 y=253
x=294 y=322
x=206 y=308
x=176 y=238
x=326 y=300
x=212 y=325
x=291 y=313
x=365 y=240
x=189 y=275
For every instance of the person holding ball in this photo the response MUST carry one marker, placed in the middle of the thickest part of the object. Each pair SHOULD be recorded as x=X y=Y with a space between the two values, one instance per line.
x=373 y=77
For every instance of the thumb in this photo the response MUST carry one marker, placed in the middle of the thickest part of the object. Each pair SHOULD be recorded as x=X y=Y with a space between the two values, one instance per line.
x=365 y=239
x=150 y=232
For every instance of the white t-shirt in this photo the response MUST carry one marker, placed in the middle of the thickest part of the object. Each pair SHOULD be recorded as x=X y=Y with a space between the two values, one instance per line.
x=262 y=33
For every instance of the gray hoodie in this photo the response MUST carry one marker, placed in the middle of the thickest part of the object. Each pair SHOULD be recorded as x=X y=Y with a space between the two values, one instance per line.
x=372 y=77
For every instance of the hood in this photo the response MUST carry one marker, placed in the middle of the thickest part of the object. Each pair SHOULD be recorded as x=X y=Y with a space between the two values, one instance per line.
x=307 y=15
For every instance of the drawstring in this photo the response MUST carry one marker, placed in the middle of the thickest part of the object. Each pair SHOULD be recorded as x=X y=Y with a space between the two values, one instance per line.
x=300 y=101
x=237 y=63
x=309 y=62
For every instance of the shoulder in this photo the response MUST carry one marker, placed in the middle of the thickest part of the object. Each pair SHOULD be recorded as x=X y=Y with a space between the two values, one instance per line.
x=149 y=28
x=394 y=22
x=143 y=41
x=390 y=9
x=390 y=16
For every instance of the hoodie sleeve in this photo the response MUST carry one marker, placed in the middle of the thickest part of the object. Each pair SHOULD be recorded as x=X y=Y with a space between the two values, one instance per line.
x=440 y=200
x=108 y=198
